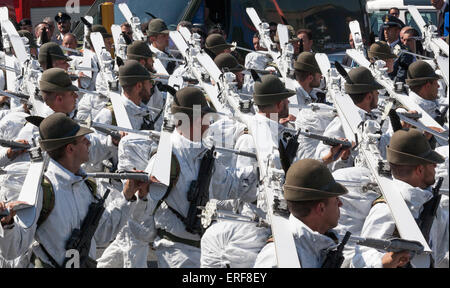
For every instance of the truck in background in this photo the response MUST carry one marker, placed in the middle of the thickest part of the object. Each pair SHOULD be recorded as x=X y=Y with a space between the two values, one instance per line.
x=376 y=9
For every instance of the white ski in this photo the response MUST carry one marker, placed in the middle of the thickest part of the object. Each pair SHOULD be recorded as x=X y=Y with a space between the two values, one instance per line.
x=355 y=29
x=31 y=188
x=135 y=22
x=432 y=43
x=161 y=167
x=286 y=67
x=16 y=41
x=120 y=46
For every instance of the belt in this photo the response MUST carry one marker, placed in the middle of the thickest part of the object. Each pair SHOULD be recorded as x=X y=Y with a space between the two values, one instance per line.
x=168 y=236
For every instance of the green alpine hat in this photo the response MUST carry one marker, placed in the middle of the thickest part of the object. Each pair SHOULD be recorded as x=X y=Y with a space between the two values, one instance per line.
x=101 y=29
x=54 y=50
x=216 y=44
x=56 y=80
x=29 y=36
x=381 y=50
x=419 y=73
x=157 y=26
x=362 y=81
x=270 y=90
x=58 y=130
x=306 y=61
x=133 y=72
x=186 y=98
x=308 y=180
x=411 y=147
x=138 y=50
x=226 y=61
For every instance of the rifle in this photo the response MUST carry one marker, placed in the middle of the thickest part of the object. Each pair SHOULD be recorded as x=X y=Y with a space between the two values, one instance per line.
x=198 y=194
x=429 y=210
x=391 y=245
x=80 y=239
x=441 y=119
x=335 y=257
x=14 y=145
x=21 y=97
x=139 y=176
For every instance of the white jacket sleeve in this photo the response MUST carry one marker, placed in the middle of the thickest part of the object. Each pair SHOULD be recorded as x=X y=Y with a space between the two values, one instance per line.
x=231 y=183
x=14 y=239
x=113 y=219
x=379 y=224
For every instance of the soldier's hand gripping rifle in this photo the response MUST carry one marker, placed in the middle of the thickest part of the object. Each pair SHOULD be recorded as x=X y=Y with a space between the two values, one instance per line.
x=80 y=239
x=14 y=145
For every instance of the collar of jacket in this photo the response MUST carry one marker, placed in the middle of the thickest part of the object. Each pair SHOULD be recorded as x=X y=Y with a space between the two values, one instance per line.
x=302 y=91
x=131 y=107
x=158 y=52
x=365 y=115
x=414 y=197
x=427 y=105
x=62 y=174
x=187 y=148
x=316 y=243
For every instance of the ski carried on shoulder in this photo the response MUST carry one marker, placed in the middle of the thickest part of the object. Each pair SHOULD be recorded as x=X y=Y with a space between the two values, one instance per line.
x=111 y=80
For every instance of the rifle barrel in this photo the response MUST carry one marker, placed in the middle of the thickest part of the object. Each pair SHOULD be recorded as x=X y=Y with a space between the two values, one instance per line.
x=140 y=176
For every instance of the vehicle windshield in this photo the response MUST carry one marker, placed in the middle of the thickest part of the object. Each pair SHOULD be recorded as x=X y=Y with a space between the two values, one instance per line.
x=170 y=14
x=428 y=17
x=376 y=19
x=329 y=33
x=328 y=20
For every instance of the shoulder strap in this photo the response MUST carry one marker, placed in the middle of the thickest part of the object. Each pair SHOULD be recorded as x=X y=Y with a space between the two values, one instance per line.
x=110 y=107
x=379 y=200
x=48 y=200
x=175 y=171
x=92 y=185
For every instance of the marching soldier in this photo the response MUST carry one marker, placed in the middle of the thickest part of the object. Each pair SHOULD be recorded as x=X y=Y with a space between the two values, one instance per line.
x=413 y=165
x=271 y=98
x=364 y=92
x=381 y=51
x=312 y=197
x=215 y=45
x=158 y=37
x=52 y=56
x=308 y=75
x=136 y=84
x=227 y=63
x=423 y=85
x=65 y=142
x=178 y=245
